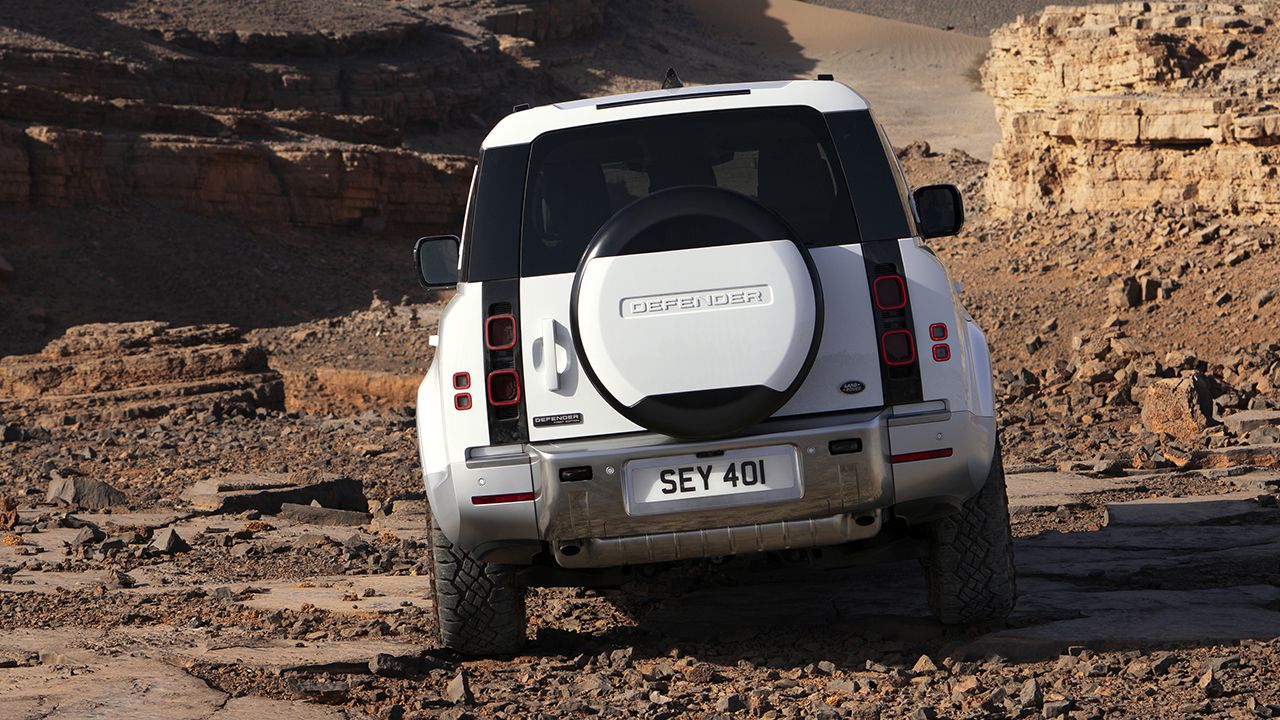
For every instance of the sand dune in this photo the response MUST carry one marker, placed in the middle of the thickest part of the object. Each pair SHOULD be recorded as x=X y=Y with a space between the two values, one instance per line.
x=922 y=81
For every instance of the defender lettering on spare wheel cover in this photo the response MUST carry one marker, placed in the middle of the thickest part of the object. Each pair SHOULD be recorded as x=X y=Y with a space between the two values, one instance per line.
x=697 y=312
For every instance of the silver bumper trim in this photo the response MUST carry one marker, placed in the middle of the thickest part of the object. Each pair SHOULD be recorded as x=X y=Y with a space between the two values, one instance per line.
x=691 y=544
x=834 y=485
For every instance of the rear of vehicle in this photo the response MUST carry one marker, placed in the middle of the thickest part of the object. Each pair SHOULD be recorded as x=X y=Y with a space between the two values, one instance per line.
x=690 y=324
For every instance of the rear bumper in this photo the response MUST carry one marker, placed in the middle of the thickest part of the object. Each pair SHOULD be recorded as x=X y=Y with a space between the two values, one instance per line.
x=585 y=523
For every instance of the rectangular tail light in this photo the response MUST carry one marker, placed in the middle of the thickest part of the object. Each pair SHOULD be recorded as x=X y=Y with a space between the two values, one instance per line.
x=504 y=388
x=890 y=292
x=500 y=332
x=898 y=347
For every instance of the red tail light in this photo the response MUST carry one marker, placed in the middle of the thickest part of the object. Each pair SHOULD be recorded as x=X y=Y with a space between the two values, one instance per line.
x=938 y=332
x=890 y=292
x=504 y=388
x=461 y=381
x=925 y=455
x=496 y=499
x=500 y=332
x=941 y=353
x=462 y=401
x=898 y=347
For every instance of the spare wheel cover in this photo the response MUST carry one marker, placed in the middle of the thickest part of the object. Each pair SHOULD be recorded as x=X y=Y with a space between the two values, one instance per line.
x=696 y=312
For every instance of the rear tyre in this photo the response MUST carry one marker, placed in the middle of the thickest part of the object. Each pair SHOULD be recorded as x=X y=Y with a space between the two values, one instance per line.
x=970 y=564
x=479 y=605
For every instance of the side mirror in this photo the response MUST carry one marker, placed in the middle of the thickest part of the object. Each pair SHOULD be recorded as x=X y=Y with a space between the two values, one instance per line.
x=939 y=210
x=436 y=258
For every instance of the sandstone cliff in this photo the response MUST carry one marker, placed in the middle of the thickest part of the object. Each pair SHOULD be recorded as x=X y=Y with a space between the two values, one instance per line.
x=306 y=112
x=1121 y=106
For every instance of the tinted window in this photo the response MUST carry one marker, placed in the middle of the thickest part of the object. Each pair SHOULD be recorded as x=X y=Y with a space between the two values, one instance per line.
x=491 y=238
x=872 y=181
x=782 y=157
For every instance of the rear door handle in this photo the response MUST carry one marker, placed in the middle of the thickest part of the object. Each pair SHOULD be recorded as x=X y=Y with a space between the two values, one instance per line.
x=550 y=373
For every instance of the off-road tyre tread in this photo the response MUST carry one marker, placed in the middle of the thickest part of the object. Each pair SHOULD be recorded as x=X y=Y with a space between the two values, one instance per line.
x=479 y=605
x=970 y=565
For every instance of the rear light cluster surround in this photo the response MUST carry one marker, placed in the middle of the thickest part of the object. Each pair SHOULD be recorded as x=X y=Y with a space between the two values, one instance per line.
x=895 y=328
x=503 y=382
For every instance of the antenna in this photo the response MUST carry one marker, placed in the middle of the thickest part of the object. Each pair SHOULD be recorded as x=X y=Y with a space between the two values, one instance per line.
x=672 y=80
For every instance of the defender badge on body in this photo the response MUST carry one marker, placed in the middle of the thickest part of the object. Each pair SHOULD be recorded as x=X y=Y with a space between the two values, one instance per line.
x=561 y=419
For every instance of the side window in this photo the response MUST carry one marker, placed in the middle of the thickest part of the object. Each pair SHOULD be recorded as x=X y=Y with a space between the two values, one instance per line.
x=872 y=183
x=468 y=222
x=491 y=233
x=899 y=179
x=782 y=157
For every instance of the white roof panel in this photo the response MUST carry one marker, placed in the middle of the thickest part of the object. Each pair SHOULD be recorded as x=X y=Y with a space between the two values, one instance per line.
x=823 y=95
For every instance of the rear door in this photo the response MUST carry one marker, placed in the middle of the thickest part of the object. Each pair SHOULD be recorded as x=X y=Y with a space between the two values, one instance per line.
x=786 y=158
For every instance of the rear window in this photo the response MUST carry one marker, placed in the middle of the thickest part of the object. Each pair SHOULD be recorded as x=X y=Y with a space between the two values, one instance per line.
x=782 y=157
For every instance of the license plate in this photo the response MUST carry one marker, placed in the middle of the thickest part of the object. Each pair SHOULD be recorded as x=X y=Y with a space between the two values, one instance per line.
x=690 y=482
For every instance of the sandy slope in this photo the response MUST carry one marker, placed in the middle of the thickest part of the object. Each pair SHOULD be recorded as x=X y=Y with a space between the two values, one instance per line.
x=922 y=81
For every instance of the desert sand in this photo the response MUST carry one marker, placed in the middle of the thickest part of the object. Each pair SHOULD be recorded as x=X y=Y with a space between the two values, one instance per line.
x=922 y=82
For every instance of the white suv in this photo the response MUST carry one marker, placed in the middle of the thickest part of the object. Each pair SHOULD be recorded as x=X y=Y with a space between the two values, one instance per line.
x=693 y=323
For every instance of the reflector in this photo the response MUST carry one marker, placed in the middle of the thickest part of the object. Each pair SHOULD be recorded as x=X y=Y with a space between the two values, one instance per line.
x=924 y=455
x=496 y=499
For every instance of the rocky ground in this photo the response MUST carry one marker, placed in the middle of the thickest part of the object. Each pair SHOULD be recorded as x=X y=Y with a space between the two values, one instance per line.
x=274 y=562
x=209 y=522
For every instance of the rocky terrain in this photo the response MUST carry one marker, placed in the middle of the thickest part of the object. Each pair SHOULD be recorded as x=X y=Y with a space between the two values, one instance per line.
x=203 y=521
x=267 y=125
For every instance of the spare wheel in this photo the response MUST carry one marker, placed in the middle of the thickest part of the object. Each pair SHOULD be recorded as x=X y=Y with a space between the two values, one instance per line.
x=697 y=312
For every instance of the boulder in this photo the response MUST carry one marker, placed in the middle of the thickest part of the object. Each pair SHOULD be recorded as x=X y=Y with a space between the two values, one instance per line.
x=315 y=515
x=82 y=492
x=168 y=541
x=1126 y=294
x=8 y=512
x=1243 y=422
x=458 y=691
x=1180 y=407
x=267 y=492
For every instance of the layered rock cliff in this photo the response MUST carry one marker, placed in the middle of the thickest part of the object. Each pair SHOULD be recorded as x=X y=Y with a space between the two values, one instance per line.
x=1122 y=106
x=306 y=112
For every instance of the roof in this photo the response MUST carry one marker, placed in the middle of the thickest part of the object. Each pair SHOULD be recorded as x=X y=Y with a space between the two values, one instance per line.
x=523 y=127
